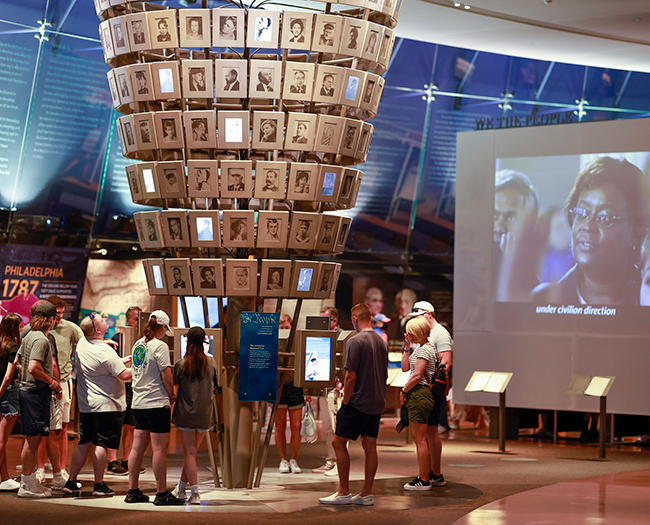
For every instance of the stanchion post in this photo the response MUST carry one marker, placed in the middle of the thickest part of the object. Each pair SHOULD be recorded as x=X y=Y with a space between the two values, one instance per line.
x=502 y=421
x=602 y=441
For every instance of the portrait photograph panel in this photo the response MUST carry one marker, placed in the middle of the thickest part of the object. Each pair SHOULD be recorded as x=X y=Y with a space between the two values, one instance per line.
x=120 y=38
x=166 y=80
x=364 y=141
x=179 y=280
x=134 y=182
x=231 y=78
x=275 y=278
x=368 y=91
x=169 y=129
x=138 y=31
x=328 y=133
x=208 y=277
x=205 y=228
x=351 y=133
x=347 y=187
x=270 y=180
x=303 y=282
x=126 y=123
x=197 y=78
x=200 y=129
x=233 y=129
x=195 y=28
x=327 y=33
x=112 y=84
x=298 y=81
x=145 y=134
x=352 y=88
x=325 y=280
x=342 y=234
x=148 y=179
x=268 y=130
x=297 y=29
x=241 y=277
x=272 y=229
x=301 y=131
x=329 y=183
x=236 y=179
x=335 y=280
x=386 y=45
x=141 y=82
x=107 y=40
x=139 y=228
x=353 y=37
x=154 y=270
x=124 y=86
x=263 y=29
x=238 y=229
x=171 y=179
x=228 y=27
x=175 y=228
x=265 y=79
x=203 y=178
x=303 y=180
x=163 y=29
x=372 y=42
x=328 y=84
x=327 y=233
x=152 y=229
x=303 y=231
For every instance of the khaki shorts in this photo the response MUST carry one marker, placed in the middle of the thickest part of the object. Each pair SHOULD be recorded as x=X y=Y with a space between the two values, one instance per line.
x=66 y=399
x=56 y=414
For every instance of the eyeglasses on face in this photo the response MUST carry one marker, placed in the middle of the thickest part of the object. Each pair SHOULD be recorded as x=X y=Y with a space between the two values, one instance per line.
x=604 y=219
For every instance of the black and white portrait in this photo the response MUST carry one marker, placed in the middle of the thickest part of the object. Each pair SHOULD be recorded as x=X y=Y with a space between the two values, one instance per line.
x=171 y=179
x=200 y=129
x=238 y=230
x=236 y=179
x=141 y=81
x=175 y=233
x=297 y=28
x=197 y=78
x=202 y=179
x=136 y=29
x=272 y=233
x=268 y=130
x=194 y=28
x=303 y=235
x=169 y=130
x=299 y=82
x=231 y=79
x=276 y=279
x=228 y=28
x=207 y=277
x=301 y=132
x=327 y=88
x=178 y=278
x=302 y=182
x=242 y=278
x=271 y=178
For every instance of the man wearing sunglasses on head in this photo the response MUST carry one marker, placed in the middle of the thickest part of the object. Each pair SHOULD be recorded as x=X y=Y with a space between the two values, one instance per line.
x=102 y=402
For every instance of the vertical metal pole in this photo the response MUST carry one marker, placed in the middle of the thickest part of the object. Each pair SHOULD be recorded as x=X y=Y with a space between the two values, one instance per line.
x=502 y=422
x=602 y=441
x=555 y=427
x=213 y=464
x=256 y=443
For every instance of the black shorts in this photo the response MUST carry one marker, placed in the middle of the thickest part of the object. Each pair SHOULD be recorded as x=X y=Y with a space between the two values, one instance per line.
x=156 y=420
x=434 y=416
x=35 y=411
x=128 y=413
x=103 y=429
x=291 y=396
x=351 y=423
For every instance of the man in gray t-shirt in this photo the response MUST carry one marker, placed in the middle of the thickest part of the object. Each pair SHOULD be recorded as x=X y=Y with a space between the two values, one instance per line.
x=364 y=400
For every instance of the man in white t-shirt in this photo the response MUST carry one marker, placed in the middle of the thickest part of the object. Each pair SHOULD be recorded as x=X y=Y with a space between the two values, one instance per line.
x=441 y=340
x=102 y=402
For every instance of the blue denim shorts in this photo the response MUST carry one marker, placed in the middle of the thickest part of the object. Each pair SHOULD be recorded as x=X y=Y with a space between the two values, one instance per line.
x=9 y=401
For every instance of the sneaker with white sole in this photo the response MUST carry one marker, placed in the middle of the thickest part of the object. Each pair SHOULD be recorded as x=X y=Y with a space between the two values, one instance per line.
x=293 y=465
x=417 y=484
x=194 y=499
x=31 y=488
x=284 y=467
x=436 y=481
x=64 y=474
x=363 y=500
x=58 y=482
x=336 y=499
x=102 y=489
x=326 y=467
x=72 y=487
x=176 y=491
x=40 y=475
x=9 y=485
x=333 y=472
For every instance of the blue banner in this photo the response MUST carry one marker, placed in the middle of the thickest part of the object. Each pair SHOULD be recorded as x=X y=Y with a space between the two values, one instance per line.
x=258 y=356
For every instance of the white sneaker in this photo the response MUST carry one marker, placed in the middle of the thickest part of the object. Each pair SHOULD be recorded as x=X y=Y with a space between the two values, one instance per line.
x=334 y=471
x=335 y=499
x=64 y=474
x=194 y=499
x=284 y=467
x=9 y=485
x=363 y=500
x=31 y=488
x=40 y=475
x=57 y=482
x=176 y=491
x=293 y=465
x=327 y=466
x=39 y=486
x=48 y=466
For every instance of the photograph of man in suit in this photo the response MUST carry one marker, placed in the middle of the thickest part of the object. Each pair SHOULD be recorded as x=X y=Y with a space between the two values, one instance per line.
x=327 y=37
x=298 y=85
x=236 y=179
x=301 y=133
x=138 y=35
x=232 y=84
x=265 y=77
x=327 y=89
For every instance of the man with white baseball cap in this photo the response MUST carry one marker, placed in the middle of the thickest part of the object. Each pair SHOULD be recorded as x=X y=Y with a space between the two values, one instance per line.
x=441 y=340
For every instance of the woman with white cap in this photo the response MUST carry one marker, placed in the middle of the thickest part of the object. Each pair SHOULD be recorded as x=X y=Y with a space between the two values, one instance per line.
x=153 y=395
x=196 y=377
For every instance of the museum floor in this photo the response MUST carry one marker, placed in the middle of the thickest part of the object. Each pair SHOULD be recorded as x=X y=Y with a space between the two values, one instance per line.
x=532 y=483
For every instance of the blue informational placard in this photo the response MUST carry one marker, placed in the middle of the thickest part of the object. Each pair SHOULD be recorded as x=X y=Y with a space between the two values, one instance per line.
x=258 y=356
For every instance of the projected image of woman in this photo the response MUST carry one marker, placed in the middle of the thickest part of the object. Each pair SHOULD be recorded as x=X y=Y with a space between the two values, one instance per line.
x=644 y=296
x=608 y=221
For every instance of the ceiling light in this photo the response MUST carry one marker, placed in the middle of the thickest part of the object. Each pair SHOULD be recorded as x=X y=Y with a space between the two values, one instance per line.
x=467 y=7
x=457 y=4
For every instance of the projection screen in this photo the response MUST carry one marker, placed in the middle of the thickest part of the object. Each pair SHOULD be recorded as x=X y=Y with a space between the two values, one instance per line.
x=549 y=265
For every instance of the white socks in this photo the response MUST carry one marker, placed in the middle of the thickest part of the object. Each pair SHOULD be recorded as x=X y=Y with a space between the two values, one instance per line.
x=194 y=489
x=182 y=485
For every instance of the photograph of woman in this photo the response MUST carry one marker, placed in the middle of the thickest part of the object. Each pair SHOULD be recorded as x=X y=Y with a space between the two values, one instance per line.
x=207 y=277
x=238 y=230
x=228 y=28
x=297 y=29
x=268 y=130
x=275 y=279
x=195 y=378
x=169 y=130
x=302 y=182
x=200 y=129
x=202 y=180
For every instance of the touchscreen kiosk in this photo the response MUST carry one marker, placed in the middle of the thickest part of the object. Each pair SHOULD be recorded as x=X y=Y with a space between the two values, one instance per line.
x=315 y=352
